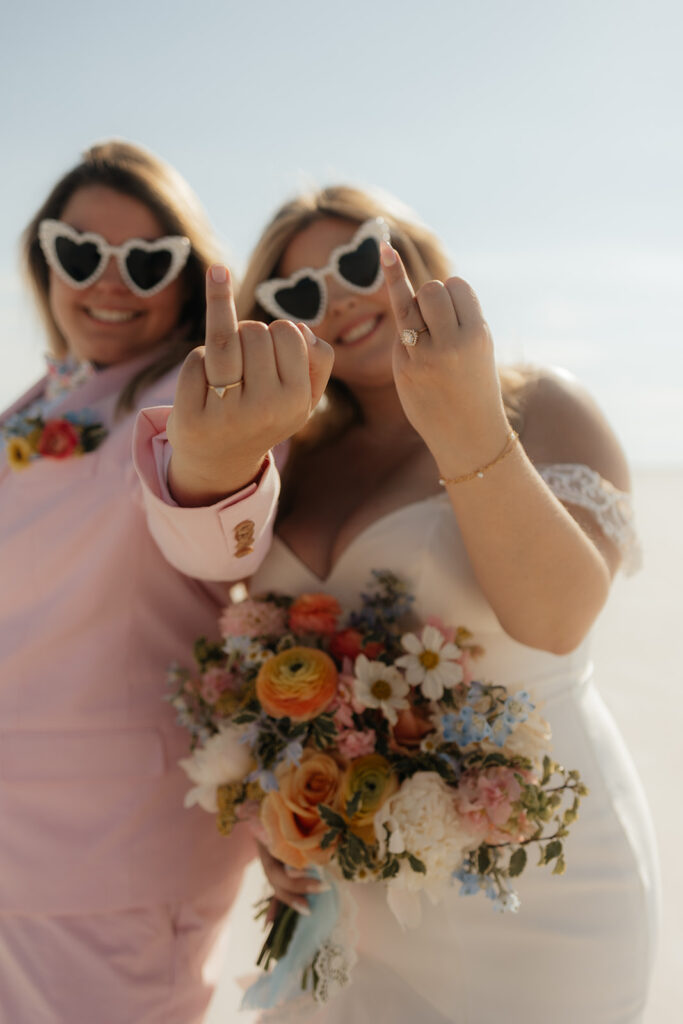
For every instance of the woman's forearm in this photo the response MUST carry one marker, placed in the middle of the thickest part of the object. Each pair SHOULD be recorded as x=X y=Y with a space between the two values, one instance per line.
x=544 y=577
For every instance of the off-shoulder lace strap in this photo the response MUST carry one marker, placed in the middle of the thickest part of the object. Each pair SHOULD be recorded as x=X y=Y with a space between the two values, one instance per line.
x=580 y=485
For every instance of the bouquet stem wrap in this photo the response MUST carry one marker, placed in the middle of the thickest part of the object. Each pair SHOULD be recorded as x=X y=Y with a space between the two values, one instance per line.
x=283 y=983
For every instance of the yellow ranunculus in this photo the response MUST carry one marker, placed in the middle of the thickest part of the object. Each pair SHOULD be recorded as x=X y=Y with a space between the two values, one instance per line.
x=19 y=452
x=371 y=776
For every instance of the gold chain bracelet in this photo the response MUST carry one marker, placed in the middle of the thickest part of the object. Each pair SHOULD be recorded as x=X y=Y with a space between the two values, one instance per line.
x=478 y=473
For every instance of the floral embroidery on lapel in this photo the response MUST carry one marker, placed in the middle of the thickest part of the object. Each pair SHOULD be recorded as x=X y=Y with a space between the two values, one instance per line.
x=32 y=437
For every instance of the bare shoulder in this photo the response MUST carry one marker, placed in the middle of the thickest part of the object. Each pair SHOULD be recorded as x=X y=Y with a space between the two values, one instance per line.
x=562 y=423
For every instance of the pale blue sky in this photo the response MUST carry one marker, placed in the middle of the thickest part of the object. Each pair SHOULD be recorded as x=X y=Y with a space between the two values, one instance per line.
x=542 y=140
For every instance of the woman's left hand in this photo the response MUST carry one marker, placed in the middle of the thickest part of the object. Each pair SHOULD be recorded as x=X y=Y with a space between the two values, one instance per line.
x=447 y=381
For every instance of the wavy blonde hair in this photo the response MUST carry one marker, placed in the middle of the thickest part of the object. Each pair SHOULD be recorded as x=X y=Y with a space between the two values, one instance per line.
x=132 y=171
x=423 y=255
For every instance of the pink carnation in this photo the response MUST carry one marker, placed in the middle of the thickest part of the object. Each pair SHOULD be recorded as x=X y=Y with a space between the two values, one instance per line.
x=214 y=682
x=345 y=690
x=448 y=632
x=485 y=798
x=343 y=715
x=253 y=619
x=353 y=743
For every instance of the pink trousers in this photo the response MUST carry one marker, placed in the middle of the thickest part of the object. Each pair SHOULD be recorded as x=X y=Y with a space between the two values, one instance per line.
x=137 y=966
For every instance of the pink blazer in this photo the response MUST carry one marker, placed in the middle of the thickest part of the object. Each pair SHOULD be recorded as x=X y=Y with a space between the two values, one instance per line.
x=91 y=615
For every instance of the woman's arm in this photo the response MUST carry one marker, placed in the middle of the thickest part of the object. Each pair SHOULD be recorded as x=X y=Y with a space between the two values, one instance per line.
x=211 y=505
x=545 y=571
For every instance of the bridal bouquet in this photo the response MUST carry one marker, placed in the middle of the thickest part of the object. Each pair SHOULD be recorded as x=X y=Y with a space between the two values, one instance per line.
x=366 y=750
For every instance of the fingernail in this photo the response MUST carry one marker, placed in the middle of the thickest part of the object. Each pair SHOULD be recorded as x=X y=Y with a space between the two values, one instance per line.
x=388 y=254
x=303 y=908
x=319 y=887
x=219 y=274
x=308 y=334
x=296 y=872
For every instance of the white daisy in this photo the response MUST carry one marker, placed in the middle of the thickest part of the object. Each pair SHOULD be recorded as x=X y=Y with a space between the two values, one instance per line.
x=430 y=662
x=377 y=685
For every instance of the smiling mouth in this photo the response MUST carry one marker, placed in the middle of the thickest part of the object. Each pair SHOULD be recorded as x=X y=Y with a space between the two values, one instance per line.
x=360 y=331
x=112 y=316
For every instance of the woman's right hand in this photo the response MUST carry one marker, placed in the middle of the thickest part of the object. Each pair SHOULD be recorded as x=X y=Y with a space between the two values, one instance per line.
x=289 y=885
x=219 y=444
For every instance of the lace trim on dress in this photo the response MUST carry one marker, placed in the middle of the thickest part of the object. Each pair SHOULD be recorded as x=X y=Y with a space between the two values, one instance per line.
x=580 y=485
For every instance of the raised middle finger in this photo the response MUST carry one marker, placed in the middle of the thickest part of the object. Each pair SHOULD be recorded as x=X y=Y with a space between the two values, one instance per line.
x=222 y=349
x=409 y=320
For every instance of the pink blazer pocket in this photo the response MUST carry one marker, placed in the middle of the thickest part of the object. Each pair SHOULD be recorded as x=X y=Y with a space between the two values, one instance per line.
x=69 y=756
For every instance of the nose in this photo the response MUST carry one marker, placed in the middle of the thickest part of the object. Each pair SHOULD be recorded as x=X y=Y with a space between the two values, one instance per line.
x=111 y=279
x=339 y=298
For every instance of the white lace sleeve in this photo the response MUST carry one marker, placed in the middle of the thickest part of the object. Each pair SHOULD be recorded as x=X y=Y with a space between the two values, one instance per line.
x=613 y=511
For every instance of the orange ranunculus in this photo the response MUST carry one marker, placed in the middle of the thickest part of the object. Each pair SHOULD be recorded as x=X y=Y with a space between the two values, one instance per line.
x=59 y=439
x=290 y=815
x=298 y=683
x=373 y=777
x=348 y=643
x=314 y=613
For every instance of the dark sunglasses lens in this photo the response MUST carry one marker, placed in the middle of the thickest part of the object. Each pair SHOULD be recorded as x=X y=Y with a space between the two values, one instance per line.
x=361 y=266
x=79 y=260
x=148 y=269
x=302 y=301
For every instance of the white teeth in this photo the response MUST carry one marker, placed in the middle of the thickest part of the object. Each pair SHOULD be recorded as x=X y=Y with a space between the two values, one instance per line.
x=359 y=331
x=112 y=316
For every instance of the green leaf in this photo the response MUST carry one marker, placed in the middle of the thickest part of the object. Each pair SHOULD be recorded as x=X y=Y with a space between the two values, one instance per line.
x=353 y=804
x=330 y=817
x=495 y=759
x=391 y=868
x=328 y=838
x=416 y=864
x=547 y=770
x=560 y=867
x=483 y=859
x=552 y=850
x=517 y=862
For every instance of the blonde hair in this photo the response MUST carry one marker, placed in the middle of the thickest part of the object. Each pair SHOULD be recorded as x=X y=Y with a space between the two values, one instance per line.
x=423 y=255
x=132 y=171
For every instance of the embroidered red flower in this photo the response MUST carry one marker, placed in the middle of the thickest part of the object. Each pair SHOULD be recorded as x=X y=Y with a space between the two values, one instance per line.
x=59 y=440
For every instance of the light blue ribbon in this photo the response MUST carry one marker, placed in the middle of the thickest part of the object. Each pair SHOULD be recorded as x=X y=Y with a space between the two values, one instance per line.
x=283 y=983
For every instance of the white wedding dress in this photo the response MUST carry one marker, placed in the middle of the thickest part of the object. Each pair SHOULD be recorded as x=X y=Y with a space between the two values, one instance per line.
x=579 y=951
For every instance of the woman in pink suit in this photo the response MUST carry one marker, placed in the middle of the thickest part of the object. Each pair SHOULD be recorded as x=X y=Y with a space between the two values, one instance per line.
x=111 y=893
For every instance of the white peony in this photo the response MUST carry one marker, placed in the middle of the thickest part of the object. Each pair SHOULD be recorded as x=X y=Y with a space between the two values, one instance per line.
x=221 y=760
x=422 y=819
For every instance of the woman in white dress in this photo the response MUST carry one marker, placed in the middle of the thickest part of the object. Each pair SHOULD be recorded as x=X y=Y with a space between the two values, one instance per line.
x=415 y=466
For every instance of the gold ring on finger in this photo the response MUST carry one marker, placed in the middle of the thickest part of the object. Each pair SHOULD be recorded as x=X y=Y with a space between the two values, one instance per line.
x=220 y=389
x=409 y=336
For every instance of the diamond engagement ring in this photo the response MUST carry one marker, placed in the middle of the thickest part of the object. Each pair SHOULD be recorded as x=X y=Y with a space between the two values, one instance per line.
x=220 y=389
x=409 y=336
